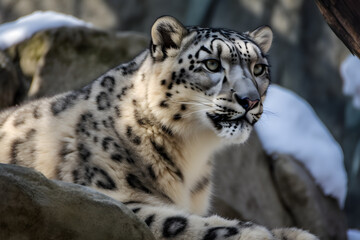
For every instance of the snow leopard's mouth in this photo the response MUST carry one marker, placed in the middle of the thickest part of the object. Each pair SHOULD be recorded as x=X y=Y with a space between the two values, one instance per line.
x=221 y=121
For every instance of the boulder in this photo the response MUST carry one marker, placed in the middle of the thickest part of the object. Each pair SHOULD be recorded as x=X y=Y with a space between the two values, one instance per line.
x=62 y=59
x=10 y=84
x=306 y=203
x=243 y=180
x=34 y=207
x=274 y=191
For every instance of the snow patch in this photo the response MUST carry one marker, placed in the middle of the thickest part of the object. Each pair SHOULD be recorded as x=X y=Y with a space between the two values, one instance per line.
x=14 y=32
x=350 y=72
x=353 y=234
x=289 y=125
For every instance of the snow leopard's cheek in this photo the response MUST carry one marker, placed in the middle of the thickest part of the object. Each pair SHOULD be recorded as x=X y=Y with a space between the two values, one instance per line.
x=210 y=82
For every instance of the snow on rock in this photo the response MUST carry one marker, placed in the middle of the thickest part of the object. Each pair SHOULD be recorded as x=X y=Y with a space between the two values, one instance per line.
x=289 y=125
x=350 y=72
x=14 y=32
x=353 y=234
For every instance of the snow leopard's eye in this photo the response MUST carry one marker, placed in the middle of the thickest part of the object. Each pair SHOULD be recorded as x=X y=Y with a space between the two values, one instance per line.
x=259 y=69
x=213 y=65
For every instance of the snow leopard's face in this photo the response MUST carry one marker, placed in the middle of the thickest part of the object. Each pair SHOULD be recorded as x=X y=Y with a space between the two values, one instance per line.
x=218 y=78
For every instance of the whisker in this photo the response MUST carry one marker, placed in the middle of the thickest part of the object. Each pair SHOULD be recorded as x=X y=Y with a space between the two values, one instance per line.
x=193 y=112
x=204 y=98
x=205 y=102
x=269 y=113
x=199 y=110
x=192 y=103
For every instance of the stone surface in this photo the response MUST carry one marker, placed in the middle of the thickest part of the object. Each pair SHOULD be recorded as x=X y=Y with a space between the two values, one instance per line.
x=136 y=15
x=249 y=185
x=243 y=181
x=306 y=203
x=33 y=207
x=63 y=59
x=10 y=84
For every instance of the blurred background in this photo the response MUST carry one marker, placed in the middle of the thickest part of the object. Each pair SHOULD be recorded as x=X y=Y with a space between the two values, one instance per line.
x=305 y=57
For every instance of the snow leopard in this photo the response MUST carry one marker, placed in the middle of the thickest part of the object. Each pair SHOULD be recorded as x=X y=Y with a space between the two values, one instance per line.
x=144 y=132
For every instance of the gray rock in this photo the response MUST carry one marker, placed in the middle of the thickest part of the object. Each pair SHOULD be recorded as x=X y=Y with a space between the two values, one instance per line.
x=121 y=15
x=63 y=59
x=251 y=186
x=9 y=82
x=308 y=206
x=222 y=208
x=33 y=207
x=243 y=181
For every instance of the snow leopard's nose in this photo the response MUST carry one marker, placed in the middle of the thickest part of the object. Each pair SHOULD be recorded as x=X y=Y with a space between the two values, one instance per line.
x=246 y=102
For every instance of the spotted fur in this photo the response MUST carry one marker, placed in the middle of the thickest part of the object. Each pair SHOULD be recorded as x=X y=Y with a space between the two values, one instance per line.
x=144 y=132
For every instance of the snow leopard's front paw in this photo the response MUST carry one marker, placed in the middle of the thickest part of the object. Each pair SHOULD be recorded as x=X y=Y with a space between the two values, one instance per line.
x=256 y=232
x=293 y=234
x=239 y=230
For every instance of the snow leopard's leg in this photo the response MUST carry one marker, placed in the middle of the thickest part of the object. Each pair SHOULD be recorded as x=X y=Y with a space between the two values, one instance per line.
x=167 y=222
x=171 y=223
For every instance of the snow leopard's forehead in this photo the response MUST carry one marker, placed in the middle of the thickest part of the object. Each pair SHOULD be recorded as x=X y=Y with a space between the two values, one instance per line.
x=239 y=46
x=206 y=33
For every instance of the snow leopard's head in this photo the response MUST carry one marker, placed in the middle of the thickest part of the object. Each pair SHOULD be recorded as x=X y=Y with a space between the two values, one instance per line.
x=209 y=78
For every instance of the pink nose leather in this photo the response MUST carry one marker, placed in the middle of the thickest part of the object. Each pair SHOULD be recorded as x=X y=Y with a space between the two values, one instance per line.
x=246 y=103
x=252 y=103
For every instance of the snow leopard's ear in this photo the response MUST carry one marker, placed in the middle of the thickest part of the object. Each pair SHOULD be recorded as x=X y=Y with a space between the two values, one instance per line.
x=166 y=36
x=263 y=37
